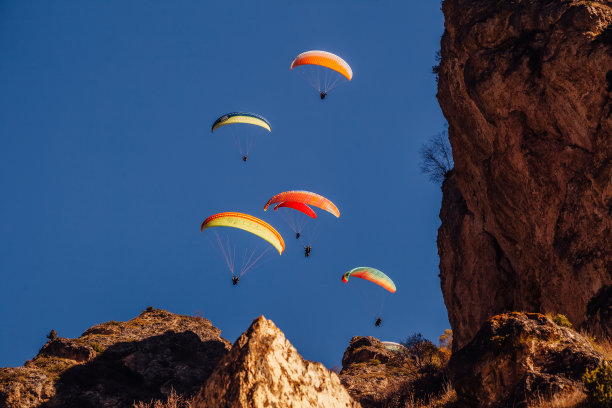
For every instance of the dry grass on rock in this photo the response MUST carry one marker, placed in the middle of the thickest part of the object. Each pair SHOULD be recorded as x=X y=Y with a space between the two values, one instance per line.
x=174 y=401
x=572 y=399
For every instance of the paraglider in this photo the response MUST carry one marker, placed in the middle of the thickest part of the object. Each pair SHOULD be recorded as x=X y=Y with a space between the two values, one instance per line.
x=307 y=250
x=322 y=70
x=245 y=127
x=374 y=276
x=249 y=224
x=301 y=201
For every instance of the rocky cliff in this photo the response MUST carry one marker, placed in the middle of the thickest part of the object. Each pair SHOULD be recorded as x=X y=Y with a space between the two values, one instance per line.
x=516 y=358
x=526 y=87
x=116 y=363
x=264 y=370
x=158 y=355
x=389 y=375
x=373 y=374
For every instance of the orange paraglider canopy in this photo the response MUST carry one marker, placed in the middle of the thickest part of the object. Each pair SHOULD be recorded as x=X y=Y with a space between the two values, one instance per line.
x=324 y=59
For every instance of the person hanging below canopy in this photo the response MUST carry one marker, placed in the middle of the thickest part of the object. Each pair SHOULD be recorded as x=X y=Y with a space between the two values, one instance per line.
x=307 y=250
x=378 y=322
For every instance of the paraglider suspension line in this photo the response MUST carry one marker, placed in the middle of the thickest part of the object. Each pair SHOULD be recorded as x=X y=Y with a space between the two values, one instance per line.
x=247 y=264
x=227 y=253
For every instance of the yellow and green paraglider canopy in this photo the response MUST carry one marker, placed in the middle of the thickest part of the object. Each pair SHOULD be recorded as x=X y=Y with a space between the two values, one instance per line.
x=241 y=117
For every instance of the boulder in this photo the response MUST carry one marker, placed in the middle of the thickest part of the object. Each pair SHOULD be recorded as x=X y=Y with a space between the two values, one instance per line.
x=515 y=357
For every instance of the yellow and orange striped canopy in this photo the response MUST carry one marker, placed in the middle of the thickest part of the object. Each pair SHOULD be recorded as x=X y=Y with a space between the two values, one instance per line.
x=247 y=223
x=324 y=59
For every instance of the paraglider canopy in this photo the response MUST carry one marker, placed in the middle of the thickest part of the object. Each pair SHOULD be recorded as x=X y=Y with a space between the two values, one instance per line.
x=247 y=223
x=322 y=70
x=303 y=197
x=324 y=59
x=241 y=117
x=372 y=275
x=301 y=207
x=393 y=346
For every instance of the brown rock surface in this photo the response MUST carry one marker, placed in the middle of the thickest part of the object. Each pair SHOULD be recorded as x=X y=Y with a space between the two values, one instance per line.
x=387 y=375
x=116 y=363
x=599 y=313
x=517 y=356
x=264 y=370
x=526 y=87
x=371 y=373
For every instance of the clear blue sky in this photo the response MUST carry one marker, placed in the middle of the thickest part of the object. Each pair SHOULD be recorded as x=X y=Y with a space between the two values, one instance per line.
x=108 y=166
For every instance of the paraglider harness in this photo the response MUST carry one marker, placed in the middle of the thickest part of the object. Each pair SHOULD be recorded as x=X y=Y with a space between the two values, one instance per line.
x=307 y=251
x=378 y=322
x=297 y=235
x=323 y=95
x=235 y=280
x=244 y=158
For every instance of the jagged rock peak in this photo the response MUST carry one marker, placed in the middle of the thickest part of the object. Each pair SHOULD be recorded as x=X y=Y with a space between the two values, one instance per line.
x=526 y=87
x=518 y=356
x=114 y=364
x=264 y=370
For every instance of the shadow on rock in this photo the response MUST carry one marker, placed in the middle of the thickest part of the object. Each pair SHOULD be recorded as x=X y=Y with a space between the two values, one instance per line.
x=139 y=371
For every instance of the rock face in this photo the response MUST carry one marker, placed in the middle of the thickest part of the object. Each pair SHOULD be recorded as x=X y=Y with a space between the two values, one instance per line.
x=264 y=370
x=388 y=375
x=599 y=313
x=372 y=374
x=526 y=87
x=116 y=363
x=517 y=356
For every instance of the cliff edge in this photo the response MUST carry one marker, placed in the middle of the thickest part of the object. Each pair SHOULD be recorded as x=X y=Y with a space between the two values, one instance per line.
x=526 y=87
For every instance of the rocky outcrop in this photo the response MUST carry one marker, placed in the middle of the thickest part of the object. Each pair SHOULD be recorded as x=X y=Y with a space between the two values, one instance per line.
x=68 y=349
x=116 y=363
x=363 y=349
x=518 y=356
x=372 y=374
x=526 y=87
x=388 y=375
x=264 y=370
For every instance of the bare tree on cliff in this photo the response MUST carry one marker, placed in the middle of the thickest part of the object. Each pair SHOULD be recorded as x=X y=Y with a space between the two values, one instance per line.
x=437 y=157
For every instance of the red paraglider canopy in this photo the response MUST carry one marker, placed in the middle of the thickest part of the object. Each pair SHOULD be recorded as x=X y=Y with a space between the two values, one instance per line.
x=301 y=207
